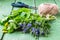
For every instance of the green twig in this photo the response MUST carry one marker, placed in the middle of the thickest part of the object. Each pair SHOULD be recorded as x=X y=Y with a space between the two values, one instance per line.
x=37 y=37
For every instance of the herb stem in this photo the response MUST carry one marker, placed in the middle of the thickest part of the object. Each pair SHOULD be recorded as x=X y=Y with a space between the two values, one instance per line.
x=35 y=6
x=2 y=36
x=13 y=7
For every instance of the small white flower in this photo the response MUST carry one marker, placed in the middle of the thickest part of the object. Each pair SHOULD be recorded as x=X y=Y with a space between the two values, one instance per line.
x=11 y=21
x=4 y=19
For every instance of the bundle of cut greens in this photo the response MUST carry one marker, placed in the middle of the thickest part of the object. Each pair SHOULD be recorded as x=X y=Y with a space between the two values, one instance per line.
x=23 y=20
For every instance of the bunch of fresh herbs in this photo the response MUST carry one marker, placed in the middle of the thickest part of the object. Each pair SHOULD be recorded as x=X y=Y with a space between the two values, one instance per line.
x=25 y=21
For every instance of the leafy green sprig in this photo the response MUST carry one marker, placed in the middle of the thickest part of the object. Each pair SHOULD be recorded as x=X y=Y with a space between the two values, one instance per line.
x=24 y=20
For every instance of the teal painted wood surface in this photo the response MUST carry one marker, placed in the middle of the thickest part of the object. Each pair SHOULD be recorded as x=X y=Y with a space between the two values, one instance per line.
x=5 y=8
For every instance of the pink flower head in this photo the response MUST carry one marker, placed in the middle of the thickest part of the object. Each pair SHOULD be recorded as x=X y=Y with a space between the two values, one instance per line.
x=48 y=8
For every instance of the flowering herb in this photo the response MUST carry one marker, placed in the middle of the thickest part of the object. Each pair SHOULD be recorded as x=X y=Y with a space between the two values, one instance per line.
x=25 y=21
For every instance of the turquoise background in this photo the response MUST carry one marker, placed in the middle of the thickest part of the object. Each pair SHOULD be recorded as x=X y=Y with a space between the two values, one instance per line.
x=5 y=9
